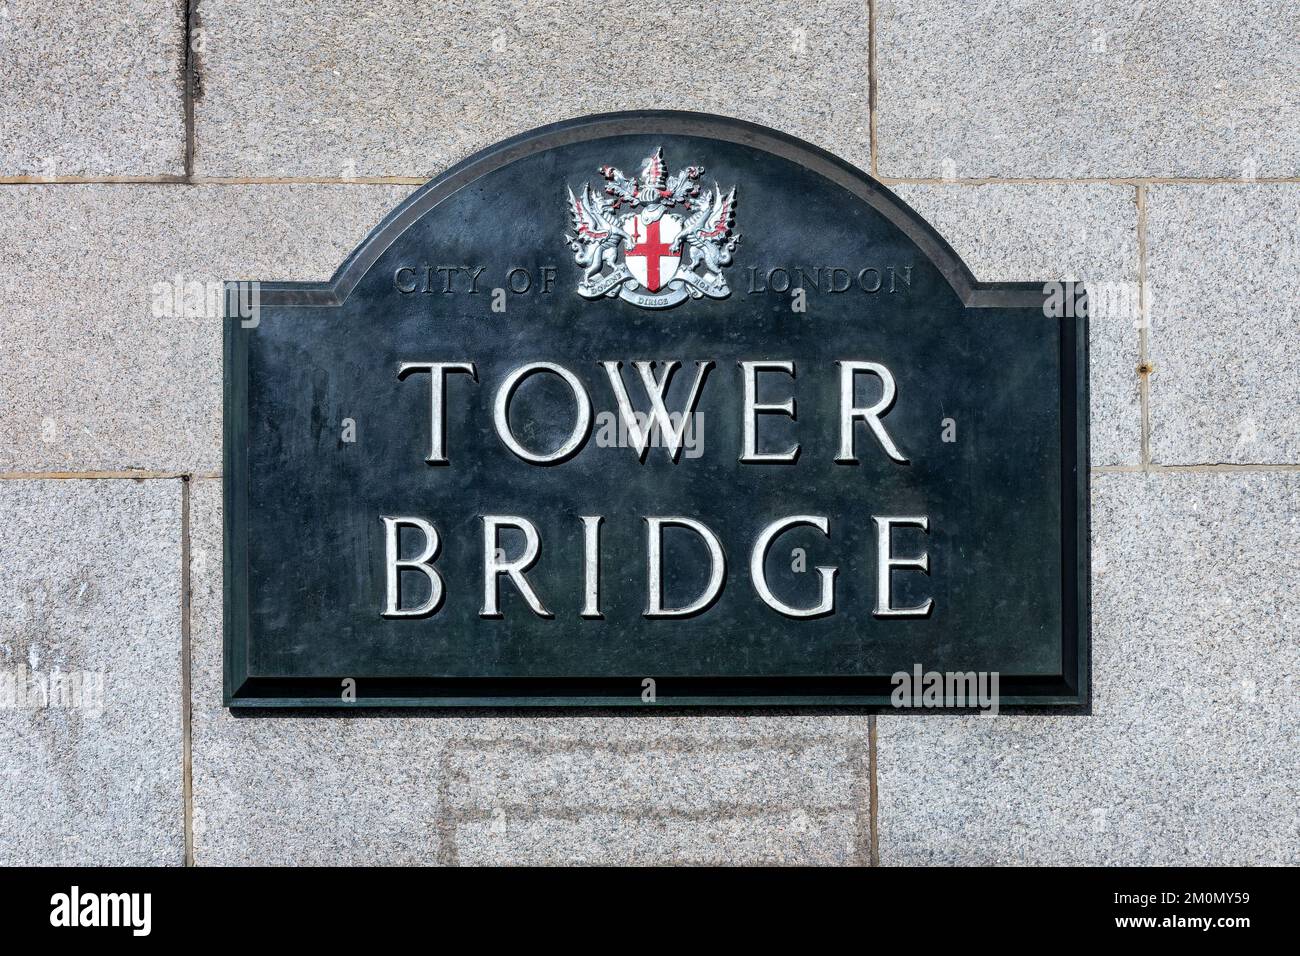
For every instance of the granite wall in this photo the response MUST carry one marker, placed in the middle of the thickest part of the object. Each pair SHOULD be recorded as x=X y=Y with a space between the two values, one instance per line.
x=1151 y=149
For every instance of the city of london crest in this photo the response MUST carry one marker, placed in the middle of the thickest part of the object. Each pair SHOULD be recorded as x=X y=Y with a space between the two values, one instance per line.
x=653 y=240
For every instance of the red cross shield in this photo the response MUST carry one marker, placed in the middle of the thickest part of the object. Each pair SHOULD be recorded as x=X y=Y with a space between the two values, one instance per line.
x=649 y=259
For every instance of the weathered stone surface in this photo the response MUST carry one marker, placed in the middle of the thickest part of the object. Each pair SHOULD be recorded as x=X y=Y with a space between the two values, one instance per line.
x=1189 y=755
x=1059 y=89
x=91 y=379
x=330 y=89
x=718 y=790
x=90 y=671
x=1222 y=262
x=793 y=838
x=1088 y=233
x=501 y=788
x=92 y=89
x=278 y=790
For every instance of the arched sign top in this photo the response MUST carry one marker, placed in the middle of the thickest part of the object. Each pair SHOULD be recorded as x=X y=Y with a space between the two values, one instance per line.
x=928 y=243
x=646 y=410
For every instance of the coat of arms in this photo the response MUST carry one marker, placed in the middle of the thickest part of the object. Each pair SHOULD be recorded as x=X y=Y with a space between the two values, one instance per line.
x=632 y=236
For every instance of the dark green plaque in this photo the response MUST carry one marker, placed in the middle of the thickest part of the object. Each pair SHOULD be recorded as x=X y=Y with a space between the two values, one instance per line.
x=652 y=410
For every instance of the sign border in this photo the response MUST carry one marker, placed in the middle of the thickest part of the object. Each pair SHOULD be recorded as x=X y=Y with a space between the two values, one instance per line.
x=243 y=690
